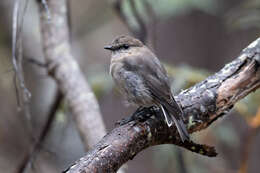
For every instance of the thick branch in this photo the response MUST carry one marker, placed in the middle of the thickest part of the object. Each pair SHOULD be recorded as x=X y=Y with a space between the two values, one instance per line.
x=65 y=70
x=202 y=104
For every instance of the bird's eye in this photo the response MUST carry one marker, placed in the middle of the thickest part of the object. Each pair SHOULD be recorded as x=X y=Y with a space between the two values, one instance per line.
x=125 y=46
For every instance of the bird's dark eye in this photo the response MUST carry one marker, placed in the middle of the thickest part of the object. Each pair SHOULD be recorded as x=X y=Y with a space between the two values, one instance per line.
x=125 y=46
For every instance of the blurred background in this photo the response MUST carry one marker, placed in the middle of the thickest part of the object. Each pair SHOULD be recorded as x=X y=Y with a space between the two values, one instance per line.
x=194 y=38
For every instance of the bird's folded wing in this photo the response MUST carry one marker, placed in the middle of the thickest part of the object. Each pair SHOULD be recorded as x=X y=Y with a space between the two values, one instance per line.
x=154 y=75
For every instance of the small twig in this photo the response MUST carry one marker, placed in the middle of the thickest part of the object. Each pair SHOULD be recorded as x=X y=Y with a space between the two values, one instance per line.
x=17 y=58
x=153 y=23
x=30 y=155
x=117 y=5
x=36 y=62
x=19 y=31
x=14 y=38
x=69 y=21
x=142 y=32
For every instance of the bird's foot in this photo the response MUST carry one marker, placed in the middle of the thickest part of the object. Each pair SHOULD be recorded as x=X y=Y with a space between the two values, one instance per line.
x=141 y=115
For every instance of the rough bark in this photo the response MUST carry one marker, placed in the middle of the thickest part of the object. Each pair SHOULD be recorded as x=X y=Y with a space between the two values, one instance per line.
x=202 y=104
x=64 y=69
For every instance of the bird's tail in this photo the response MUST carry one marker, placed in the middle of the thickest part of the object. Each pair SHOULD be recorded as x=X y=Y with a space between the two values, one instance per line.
x=167 y=117
x=178 y=122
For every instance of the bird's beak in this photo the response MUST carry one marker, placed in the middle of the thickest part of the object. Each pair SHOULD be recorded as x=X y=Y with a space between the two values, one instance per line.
x=108 y=47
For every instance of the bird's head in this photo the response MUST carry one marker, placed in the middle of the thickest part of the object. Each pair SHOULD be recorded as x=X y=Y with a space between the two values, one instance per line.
x=123 y=43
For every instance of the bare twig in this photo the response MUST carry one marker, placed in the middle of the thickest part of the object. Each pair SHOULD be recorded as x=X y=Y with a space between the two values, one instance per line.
x=30 y=155
x=17 y=58
x=152 y=23
x=35 y=62
x=202 y=104
x=141 y=33
x=23 y=95
x=64 y=69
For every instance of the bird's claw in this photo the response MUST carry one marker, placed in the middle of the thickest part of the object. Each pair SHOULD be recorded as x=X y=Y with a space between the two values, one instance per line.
x=140 y=115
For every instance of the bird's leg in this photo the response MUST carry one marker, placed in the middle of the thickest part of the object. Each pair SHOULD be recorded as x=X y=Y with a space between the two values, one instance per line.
x=141 y=114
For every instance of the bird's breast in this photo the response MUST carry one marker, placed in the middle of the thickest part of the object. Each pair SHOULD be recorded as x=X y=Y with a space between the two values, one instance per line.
x=130 y=84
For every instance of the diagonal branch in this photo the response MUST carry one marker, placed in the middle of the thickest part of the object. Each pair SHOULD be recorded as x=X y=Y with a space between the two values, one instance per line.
x=65 y=71
x=202 y=104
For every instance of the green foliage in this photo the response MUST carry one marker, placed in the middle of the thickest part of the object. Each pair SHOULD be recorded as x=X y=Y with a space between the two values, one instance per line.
x=167 y=8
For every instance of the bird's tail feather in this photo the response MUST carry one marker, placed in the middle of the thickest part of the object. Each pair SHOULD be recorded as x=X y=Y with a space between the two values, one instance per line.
x=181 y=129
x=179 y=124
x=167 y=117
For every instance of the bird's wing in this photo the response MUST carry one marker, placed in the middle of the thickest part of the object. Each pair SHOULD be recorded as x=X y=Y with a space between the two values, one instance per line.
x=149 y=68
x=154 y=74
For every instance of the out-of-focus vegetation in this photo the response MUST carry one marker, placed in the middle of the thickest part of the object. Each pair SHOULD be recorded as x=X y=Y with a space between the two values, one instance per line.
x=245 y=15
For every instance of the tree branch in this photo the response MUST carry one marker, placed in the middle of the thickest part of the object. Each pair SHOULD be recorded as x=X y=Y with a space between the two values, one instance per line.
x=33 y=152
x=64 y=69
x=141 y=32
x=202 y=104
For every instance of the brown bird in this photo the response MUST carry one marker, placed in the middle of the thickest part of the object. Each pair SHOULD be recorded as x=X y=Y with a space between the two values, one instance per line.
x=143 y=80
